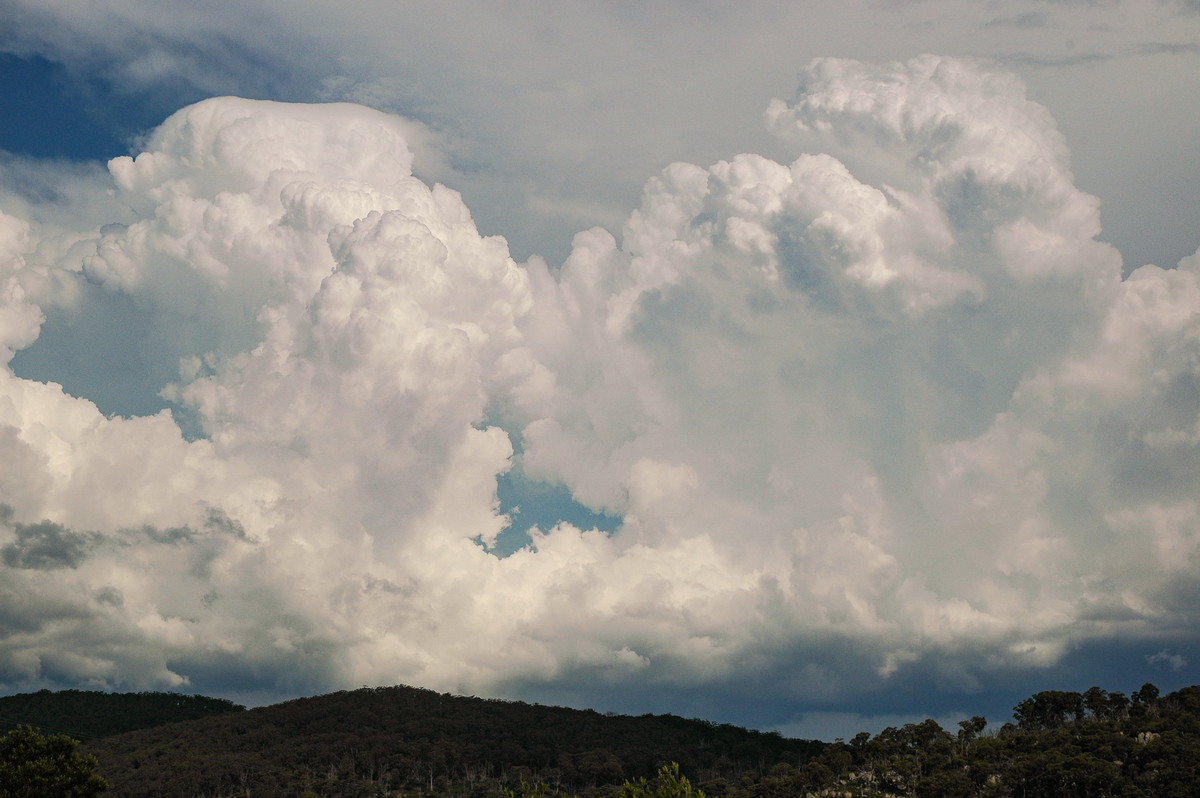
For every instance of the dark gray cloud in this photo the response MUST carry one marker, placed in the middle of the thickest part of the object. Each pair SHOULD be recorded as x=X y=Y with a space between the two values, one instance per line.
x=219 y=522
x=45 y=546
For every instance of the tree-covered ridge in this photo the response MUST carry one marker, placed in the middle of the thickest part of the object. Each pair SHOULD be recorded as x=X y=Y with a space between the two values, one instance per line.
x=88 y=715
x=1060 y=744
x=403 y=741
x=409 y=741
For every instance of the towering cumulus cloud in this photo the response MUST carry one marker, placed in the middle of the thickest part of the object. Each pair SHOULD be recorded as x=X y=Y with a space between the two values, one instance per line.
x=889 y=406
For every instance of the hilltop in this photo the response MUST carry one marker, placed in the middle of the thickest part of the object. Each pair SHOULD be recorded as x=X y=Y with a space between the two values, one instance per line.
x=374 y=741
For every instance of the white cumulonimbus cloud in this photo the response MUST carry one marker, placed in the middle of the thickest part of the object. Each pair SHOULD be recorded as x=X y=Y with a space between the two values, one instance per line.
x=892 y=399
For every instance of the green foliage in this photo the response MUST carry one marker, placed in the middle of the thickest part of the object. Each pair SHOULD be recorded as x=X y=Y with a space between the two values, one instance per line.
x=526 y=790
x=968 y=730
x=1094 y=744
x=670 y=783
x=33 y=765
x=1148 y=694
x=1049 y=709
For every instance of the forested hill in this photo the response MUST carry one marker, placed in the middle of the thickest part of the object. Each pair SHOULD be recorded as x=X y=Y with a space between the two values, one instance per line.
x=403 y=742
x=376 y=741
x=87 y=715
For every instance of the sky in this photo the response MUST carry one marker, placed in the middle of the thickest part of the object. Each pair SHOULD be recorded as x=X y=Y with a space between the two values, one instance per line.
x=811 y=367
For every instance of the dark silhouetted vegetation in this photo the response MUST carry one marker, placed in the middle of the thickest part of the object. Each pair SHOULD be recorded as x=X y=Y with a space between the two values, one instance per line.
x=1060 y=744
x=408 y=741
x=403 y=741
x=87 y=715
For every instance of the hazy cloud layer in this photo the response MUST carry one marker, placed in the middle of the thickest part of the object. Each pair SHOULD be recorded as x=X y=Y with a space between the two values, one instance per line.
x=887 y=406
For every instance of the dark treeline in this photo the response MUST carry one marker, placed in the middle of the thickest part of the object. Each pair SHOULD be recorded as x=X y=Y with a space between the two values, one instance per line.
x=1060 y=744
x=87 y=715
x=403 y=741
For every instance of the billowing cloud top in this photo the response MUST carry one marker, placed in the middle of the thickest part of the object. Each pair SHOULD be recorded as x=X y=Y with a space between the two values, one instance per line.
x=891 y=397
